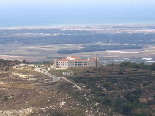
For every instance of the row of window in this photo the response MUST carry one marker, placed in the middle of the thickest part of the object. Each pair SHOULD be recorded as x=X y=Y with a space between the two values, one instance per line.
x=62 y=64
x=76 y=63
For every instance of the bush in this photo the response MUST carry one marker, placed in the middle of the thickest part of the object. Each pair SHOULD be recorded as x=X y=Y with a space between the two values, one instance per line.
x=122 y=106
x=106 y=101
x=5 y=98
x=120 y=72
x=142 y=114
x=137 y=92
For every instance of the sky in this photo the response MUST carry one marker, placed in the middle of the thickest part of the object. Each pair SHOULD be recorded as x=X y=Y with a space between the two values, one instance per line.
x=73 y=1
x=70 y=3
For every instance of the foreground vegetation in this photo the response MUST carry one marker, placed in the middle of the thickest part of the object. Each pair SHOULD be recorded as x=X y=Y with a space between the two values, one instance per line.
x=125 y=89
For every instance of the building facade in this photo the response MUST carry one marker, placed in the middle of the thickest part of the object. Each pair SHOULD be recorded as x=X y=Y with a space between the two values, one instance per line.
x=74 y=61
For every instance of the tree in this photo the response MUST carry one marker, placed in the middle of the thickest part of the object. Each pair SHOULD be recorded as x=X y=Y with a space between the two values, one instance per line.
x=25 y=62
x=122 y=106
x=153 y=67
x=106 y=101
x=120 y=72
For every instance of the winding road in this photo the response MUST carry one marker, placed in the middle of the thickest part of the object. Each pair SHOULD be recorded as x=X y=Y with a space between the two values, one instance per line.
x=55 y=79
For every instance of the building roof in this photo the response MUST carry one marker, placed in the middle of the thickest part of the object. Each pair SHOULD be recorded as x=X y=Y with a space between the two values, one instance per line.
x=93 y=59
x=77 y=60
x=63 y=59
x=74 y=57
x=84 y=59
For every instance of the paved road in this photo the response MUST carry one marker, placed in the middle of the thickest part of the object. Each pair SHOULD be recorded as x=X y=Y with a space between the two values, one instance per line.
x=55 y=79
x=72 y=83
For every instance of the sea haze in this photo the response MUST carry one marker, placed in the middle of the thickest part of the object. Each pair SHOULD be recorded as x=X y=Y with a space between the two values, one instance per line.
x=92 y=14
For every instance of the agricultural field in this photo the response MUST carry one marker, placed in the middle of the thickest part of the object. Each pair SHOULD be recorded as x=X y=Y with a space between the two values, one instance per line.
x=113 y=43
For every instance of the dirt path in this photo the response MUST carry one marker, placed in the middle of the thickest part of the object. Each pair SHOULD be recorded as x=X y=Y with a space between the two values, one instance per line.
x=72 y=83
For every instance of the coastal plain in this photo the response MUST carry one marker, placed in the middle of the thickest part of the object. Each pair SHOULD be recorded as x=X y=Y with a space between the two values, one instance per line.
x=111 y=43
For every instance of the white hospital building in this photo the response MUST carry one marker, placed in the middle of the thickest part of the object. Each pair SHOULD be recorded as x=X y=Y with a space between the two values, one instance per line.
x=74 y=61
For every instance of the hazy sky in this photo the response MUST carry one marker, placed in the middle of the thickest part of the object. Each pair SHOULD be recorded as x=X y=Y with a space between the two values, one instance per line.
x=74 y=1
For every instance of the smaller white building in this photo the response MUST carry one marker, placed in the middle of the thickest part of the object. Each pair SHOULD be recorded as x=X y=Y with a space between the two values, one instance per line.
x=74 y=61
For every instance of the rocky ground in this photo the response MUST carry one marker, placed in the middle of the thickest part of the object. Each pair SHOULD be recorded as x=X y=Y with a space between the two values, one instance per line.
x=25 y=92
